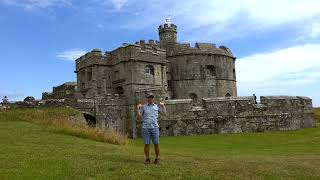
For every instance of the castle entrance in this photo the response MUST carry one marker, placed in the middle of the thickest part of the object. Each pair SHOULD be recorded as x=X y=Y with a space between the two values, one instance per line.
x=90 y=119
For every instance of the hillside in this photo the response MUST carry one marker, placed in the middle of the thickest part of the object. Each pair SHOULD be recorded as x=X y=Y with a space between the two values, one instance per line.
x=317 y=114
x=34 y=151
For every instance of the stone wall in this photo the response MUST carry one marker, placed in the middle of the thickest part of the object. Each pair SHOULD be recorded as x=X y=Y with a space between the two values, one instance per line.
x=121 y=70
x=211 y=115
x=111 y=113
x=65 y=90
x=202 y=71
x=236 y=115
x=193 y=81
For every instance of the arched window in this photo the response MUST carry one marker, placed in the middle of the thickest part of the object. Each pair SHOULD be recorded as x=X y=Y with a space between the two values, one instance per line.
x=119 y=90
x=234 y=73
x=228 y=95
x=149 y=69
x=211 y=70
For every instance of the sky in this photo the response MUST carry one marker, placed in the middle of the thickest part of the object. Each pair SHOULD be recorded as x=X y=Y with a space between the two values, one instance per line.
x=276 y=42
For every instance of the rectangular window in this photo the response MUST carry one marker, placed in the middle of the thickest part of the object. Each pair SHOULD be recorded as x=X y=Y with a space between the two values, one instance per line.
x=89 y=75
x=211 y=70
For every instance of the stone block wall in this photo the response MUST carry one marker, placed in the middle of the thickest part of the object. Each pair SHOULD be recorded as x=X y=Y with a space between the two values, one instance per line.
x=237 y=114
x=65 y=90
x=212 y=115
x=111 y=113
x=202 y=71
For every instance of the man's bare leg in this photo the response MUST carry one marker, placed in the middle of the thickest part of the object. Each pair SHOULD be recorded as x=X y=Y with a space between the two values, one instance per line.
x=157 y=150
x=146 y=150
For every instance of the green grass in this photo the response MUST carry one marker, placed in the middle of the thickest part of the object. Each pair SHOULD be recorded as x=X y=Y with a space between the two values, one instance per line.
x=33 y=151
x=317 y=114
x=60 y=119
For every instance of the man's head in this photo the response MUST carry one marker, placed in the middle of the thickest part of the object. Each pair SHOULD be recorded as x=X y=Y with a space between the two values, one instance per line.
x=150 y=98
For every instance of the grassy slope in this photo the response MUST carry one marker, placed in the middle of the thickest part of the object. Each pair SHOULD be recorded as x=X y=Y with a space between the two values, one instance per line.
x=317 y=114
x=31 y=151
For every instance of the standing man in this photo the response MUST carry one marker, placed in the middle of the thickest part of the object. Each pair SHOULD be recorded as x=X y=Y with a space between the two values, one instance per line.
x=150 y=127
x=5 y=100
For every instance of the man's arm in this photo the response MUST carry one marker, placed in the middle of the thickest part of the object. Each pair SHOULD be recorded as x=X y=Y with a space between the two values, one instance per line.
x=163 y=110
x=139 y=115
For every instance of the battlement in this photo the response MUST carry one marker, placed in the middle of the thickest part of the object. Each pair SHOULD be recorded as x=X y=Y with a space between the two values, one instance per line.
x=220 y=99
x=152 y=47
x=167 y=27
x=93 y=54
x=201 y=48
x=285 y=101
x=141 y=46
x=151 y=43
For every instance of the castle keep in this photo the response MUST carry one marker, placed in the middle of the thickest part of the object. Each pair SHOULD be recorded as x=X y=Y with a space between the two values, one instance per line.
x=177 y=71
x=197 y=84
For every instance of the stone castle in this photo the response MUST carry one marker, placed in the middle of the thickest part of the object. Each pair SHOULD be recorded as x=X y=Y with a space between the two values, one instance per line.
x=197 y=84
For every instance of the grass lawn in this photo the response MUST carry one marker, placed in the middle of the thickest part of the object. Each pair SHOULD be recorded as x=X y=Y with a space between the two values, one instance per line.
x=317 y=114
x=33 y=151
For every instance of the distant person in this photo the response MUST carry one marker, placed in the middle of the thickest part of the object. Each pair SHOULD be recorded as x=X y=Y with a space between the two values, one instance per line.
x=255 y=99
x=149 y=113
x=5 y=100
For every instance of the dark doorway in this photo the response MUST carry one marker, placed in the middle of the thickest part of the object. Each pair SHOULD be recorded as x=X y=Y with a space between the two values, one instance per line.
x=91 y=120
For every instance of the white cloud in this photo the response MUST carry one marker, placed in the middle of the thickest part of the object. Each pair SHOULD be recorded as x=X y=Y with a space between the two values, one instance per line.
x=37 y=4
x=222 y=19
x=117 y=4
x=12 y=95
x=309 y=31
x=71 y=55
x=315 y=30
x=263 y=66
x=291 y=71
x=34 y=4
x=264 y=11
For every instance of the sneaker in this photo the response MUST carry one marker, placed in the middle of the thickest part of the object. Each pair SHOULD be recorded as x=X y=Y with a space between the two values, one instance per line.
x=147 y=161
x=157 y=161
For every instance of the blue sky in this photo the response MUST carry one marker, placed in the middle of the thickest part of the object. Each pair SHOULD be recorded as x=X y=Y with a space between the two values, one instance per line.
x=276 y=42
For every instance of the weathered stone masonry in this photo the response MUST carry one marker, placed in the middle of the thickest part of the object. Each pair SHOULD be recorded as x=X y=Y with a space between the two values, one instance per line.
x=237 y=114
x=197 y=84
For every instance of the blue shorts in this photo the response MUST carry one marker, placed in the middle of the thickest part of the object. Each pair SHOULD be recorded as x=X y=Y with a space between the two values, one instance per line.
x=150 y=133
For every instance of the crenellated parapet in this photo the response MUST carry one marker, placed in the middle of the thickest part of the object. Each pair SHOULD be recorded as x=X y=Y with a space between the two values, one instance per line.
x=201 y=49
x=167 y=27
x=93 y=54
x=140 y=51
x=94 y=57
x=150 y=44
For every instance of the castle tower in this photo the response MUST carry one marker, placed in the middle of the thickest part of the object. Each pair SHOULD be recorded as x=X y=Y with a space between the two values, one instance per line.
x=167 y=35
